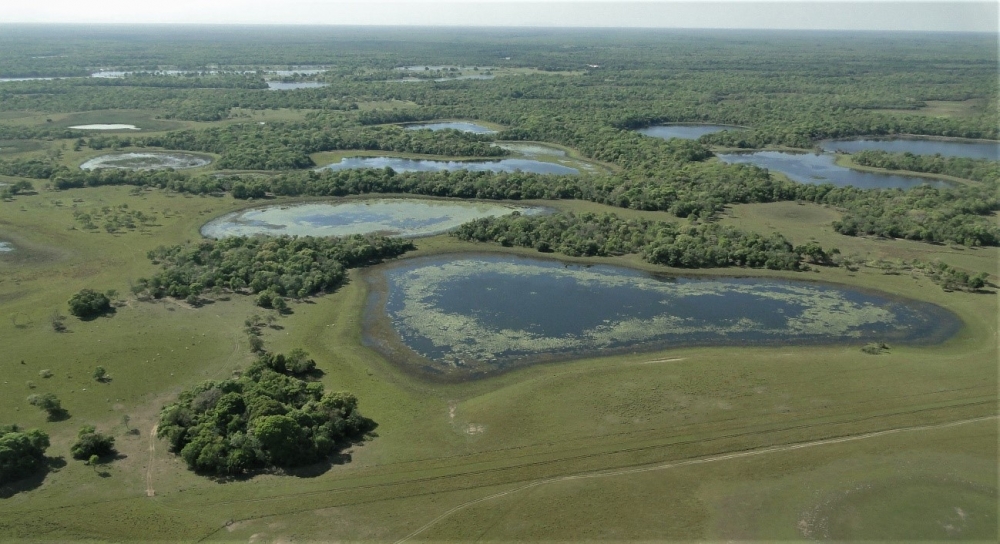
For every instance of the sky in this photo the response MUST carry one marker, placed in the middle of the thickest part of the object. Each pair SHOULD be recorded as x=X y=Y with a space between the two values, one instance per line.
x=920 y=15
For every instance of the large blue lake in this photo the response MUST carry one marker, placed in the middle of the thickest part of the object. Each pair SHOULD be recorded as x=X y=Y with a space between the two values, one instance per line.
x=424 y=165
x=821 y=168
x=461 y=317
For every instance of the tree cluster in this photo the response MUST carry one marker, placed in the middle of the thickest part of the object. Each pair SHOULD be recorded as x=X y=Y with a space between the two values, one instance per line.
x=281 y=266
x=22 y=452
x=89 y=443
x=266 y=418
x=695 y=246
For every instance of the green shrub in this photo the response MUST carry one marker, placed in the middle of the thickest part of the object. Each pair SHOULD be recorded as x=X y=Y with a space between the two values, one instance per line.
x=89 y=303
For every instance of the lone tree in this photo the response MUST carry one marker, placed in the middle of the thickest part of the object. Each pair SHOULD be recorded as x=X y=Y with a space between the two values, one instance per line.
x=48 y=402
x=90 y=443
x=89 y=303
x=21 y=452
x=100 y=374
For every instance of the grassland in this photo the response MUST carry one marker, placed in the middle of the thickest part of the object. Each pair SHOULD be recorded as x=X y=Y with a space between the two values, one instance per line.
x=443 y=445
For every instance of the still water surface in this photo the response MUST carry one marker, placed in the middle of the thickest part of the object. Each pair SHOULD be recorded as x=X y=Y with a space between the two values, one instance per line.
x=820 y=168
x=972 y=149
x=467 y=316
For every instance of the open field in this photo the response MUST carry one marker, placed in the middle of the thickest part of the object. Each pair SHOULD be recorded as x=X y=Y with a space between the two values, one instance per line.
x=440 y=446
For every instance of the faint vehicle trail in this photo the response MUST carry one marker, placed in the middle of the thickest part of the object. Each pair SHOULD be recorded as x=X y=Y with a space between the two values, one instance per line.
x=150 y=492
x=711 y=459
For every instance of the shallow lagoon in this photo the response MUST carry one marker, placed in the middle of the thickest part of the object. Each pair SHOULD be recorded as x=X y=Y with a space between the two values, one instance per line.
x=463 y=126
x=948 y=148
x=422 y=165
x=146 y=161
x=820 y=168
x=462 y=317
x=406 y=217
x=687 y=132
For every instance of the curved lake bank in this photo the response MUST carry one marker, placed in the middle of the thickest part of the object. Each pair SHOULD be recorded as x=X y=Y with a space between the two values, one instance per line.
x=822 y=168
x=463 y=317
x=972 y=149
x=462 y=126
x=404 y=217
x=684 y=131
x=425 y=165
x=147 y=161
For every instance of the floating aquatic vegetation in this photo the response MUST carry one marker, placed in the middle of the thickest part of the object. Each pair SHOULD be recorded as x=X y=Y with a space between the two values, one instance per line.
x=473 y=315
x=406 y=217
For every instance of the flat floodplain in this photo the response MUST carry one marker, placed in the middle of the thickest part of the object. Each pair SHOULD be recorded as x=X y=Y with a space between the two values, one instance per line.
x=406 y=217
x=472 y=315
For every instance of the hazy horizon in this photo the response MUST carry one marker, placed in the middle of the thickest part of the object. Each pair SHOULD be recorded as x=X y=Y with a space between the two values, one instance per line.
x=919 y=16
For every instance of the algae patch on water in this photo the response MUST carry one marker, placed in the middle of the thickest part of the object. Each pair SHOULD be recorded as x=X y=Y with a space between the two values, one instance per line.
x=469 y=316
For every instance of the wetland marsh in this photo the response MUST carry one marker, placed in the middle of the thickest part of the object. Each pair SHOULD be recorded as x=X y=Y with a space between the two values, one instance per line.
x=147 y=161
x=404 y=217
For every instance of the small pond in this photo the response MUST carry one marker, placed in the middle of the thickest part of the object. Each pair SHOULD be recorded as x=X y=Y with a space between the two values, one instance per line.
x=820 y=168
x=463 y=126
x=406 y=217
x=147 y=161
x=973 y=149
x=279 y=86
x=460 y=317
x=105 y=127
x=687 y=132
x=422 y=165
x=6 y=247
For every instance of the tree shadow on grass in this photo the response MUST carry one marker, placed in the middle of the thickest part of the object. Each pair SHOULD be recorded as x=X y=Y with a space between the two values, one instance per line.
x=33 y=481
x=107 y=313
x=58 y=415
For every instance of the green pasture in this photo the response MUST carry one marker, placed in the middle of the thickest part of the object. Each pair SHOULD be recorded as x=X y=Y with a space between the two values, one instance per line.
x=442 y=445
